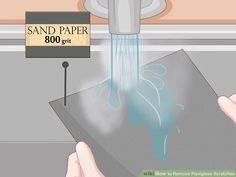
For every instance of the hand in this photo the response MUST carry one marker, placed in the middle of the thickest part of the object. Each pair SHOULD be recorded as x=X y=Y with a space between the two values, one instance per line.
x=82 y=163
x=228 y=106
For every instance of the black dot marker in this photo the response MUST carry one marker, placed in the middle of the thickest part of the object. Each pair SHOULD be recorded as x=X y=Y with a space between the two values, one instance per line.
x=65 y=65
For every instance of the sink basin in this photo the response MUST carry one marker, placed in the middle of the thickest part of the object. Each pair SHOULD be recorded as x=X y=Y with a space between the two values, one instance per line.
x=149 y=8
x=214 y=55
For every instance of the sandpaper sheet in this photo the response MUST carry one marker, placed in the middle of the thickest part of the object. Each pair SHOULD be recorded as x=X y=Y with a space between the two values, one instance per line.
x=206 y=139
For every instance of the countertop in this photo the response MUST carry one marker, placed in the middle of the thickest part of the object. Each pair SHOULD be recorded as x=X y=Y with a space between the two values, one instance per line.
x=177 y=11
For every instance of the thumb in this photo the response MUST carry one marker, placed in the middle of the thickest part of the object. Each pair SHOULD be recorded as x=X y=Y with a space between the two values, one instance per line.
x=228 y=107
x=87 y=161
x=74 y=168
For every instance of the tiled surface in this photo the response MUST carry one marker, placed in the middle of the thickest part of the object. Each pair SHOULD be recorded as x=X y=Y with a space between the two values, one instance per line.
x=177 y=12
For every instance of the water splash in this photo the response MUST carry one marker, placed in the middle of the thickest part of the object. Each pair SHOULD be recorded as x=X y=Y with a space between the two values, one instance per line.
x=150 y=102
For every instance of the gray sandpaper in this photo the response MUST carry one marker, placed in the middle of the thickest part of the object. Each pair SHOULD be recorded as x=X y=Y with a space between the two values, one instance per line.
x=206 y=141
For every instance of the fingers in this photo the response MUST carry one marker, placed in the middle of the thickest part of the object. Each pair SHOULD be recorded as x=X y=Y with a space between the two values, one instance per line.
x=82 y=163
x=87 y=161
x=74 y=169
x=228 y=106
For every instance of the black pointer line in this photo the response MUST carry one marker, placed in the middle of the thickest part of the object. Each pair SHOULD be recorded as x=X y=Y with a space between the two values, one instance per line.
x=65 y=65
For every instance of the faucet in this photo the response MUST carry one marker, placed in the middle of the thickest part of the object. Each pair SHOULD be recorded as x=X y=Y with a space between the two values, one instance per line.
x=124 y=15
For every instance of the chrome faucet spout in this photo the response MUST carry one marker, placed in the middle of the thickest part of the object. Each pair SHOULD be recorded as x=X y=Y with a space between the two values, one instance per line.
x=124 y=16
